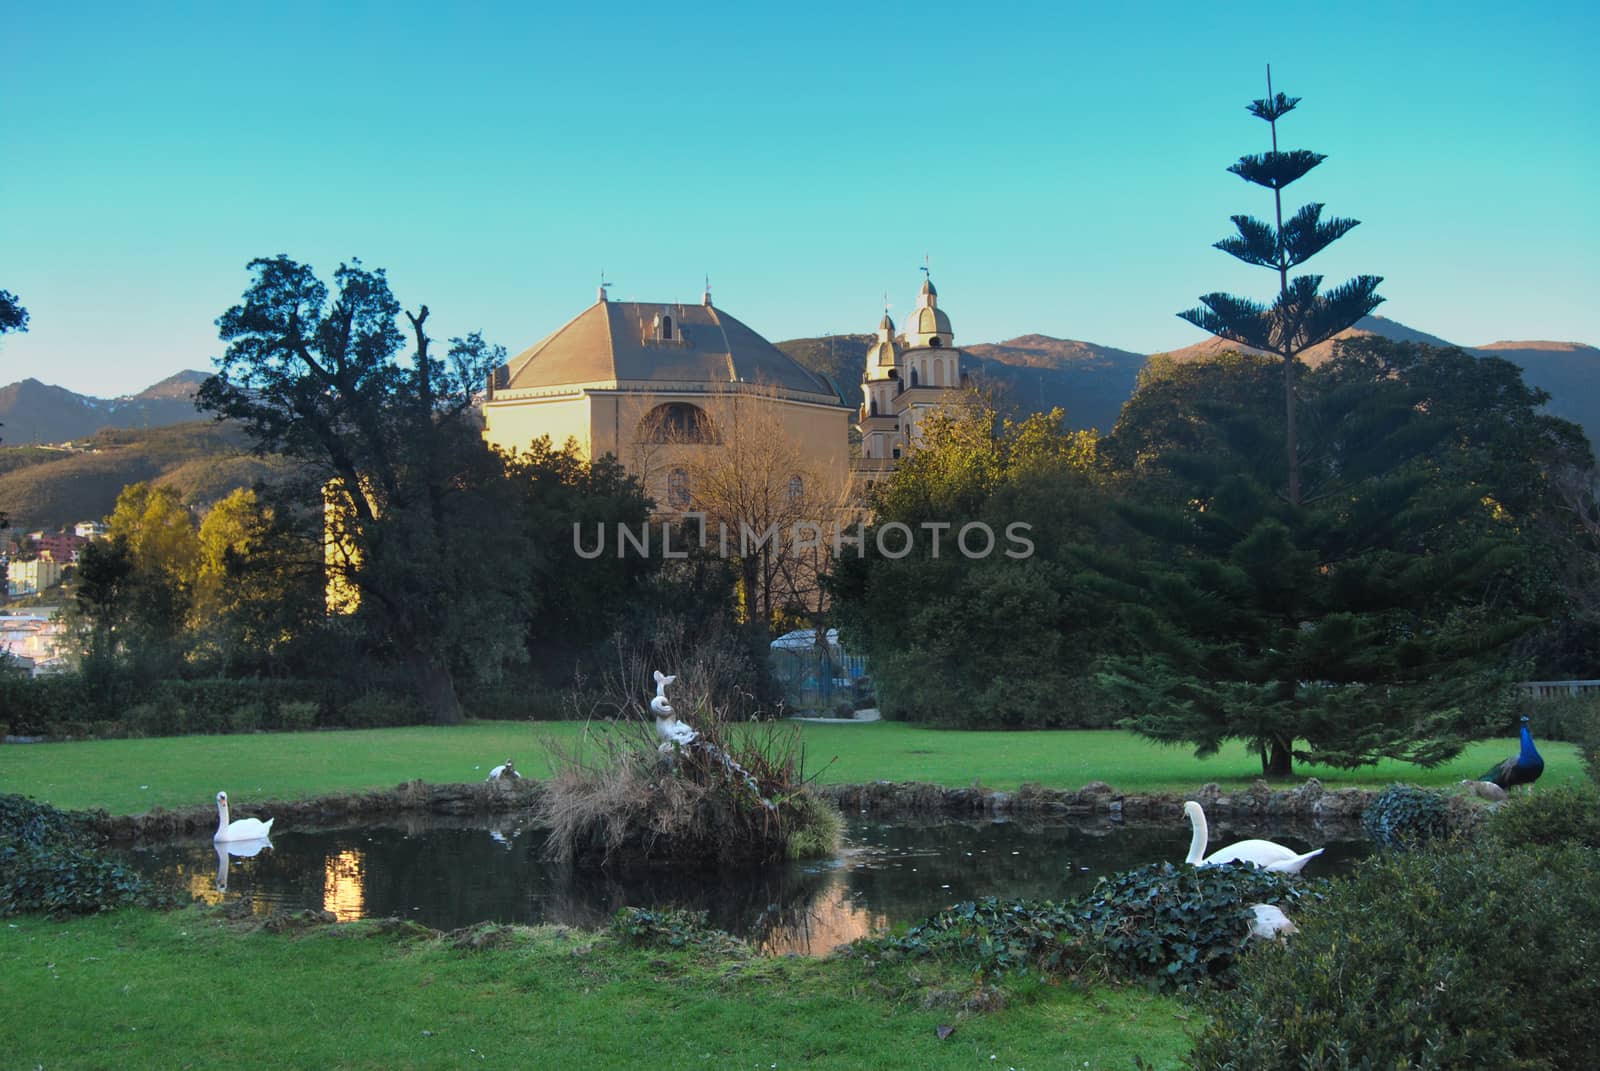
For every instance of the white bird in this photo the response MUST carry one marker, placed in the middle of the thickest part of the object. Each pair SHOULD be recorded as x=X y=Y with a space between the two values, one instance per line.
x=671 y=731
x=243 y=829
x=1263 y=853
x=505 y=770
x=1270 y=922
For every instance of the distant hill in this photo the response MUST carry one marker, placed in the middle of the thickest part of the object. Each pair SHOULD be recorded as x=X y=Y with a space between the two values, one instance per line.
x=1090 y=382
x=52 y=488
x=35 y=412
x=842 y=358
x=1568 y=371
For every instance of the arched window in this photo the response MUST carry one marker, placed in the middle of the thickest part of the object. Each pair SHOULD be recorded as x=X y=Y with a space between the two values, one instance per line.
x=873 y=408
x=666 y=327
x=797 y=488
x=913 y=377
x=677 y=422
x=678 y=489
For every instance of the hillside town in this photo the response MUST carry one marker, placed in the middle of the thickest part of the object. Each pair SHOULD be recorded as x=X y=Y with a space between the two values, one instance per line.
x=33 y=635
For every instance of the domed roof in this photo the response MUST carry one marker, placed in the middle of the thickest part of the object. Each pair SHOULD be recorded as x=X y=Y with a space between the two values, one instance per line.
x=882 y=354
x=625 y=344
x=928 y=320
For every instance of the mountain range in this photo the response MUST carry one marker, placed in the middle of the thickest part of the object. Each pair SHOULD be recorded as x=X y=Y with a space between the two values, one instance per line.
x=1090 y=381
x=35 y=412
x=40 y=487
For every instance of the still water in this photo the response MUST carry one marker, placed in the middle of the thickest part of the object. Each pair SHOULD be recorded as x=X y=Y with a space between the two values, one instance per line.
x=449 y=873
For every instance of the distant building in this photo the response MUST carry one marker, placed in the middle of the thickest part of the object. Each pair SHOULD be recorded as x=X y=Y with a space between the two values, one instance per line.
x=658 y=385
x=90 y=530
x=32 y=577
x=906 y=377
x=61 y=547
x=36 y=637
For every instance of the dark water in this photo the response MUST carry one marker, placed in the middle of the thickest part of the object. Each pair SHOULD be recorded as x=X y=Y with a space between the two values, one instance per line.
x=449 y=873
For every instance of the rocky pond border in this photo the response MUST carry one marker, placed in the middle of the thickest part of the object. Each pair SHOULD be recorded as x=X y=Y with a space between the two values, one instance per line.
x=1307 y=802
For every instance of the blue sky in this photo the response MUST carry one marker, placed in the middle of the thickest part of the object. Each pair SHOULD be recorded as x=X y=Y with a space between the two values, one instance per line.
x=1064 y=166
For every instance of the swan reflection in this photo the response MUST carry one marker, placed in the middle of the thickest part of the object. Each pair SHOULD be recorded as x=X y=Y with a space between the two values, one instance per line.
x=244 y=849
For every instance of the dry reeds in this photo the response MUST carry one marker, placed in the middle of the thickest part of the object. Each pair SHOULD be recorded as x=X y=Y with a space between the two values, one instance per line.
x=737 y=794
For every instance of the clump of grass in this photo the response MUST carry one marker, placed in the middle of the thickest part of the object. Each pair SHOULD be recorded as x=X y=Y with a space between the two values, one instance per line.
x=738 y=794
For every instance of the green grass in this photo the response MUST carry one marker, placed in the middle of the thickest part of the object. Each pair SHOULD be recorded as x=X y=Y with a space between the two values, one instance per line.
x=131 y=776
x=139 y=989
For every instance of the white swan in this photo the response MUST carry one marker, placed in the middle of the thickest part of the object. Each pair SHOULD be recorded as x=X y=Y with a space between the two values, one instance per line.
x=1263 y=853
x=243 y=829
x=506 y=771
x=1269 y=922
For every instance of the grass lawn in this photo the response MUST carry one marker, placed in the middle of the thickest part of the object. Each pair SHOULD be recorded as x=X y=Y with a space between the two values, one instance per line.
x=131 y=776
x=137 y=989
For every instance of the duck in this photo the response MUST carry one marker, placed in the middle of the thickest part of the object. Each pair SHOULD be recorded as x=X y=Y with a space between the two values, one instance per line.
x=504 y=770
x=243 y=829
x=1263 y=853
x=1523 y=768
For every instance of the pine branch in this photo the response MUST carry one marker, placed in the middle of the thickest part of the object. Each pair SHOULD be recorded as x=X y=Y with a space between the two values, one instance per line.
x=1307 y=234
x=1338 y=309
x=1275 y=170
x=1272 y=108
x=1256 y=243
x=1236 y=319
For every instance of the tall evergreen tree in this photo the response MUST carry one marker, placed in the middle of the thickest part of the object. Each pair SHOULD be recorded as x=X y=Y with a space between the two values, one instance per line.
x=1364 y=622
x=1301 y=317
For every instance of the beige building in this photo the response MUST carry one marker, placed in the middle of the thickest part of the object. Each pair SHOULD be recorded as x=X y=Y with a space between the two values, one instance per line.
x=907 y=376
x=665 y=388
x=32 y=577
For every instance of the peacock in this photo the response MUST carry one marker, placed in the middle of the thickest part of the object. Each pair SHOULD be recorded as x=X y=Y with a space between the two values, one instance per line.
x=1522 y=768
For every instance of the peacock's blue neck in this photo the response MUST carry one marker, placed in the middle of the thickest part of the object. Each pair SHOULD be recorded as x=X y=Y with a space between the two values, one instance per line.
x=1529 y=754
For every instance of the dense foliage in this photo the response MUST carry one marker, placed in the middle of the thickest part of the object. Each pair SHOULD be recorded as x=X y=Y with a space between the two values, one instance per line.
x=1003 y=639
x=1174 y=925
x=48 y=864
x=1405 y=816
x=1375 y=618
x=1462 y=955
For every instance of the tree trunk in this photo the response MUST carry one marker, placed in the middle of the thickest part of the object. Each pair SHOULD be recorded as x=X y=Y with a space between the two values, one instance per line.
x=1277 y=758
x=438 y=692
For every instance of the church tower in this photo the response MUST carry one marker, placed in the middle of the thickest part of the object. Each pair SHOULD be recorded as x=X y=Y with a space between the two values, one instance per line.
x=905 y=379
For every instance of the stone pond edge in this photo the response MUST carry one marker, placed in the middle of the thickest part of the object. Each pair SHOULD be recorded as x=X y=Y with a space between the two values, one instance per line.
x=1307 y=802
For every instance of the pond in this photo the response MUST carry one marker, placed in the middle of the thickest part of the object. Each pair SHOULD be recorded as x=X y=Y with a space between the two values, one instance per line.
x=448 y=873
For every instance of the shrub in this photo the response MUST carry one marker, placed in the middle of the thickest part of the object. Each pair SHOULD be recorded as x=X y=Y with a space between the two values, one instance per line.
x=1183 y=924
x=670 y=928
x=297 y=716
x=33 y=706
x=1404 y=816
x=515 y=701
x=1174 y=925
x=1565 y=814
x=379 y=710
x=152 y=719
x=47 y=864
x=1572 y=718
x=1448 y=957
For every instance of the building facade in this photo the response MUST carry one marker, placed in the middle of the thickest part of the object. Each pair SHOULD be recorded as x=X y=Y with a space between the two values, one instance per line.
x=665 y=388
